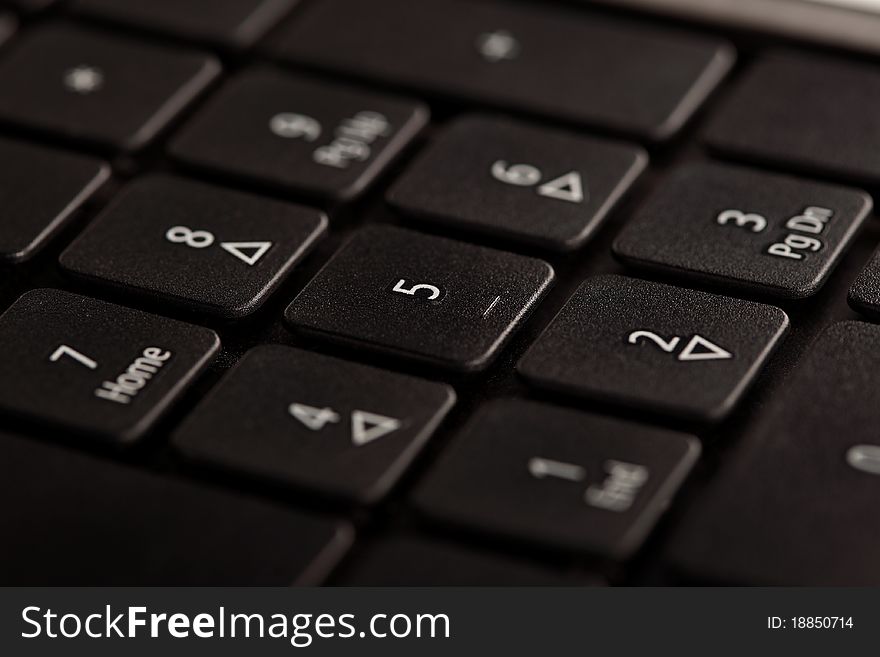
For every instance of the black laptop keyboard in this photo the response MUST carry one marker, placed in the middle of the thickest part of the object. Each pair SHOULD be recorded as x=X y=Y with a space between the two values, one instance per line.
x=433 y=292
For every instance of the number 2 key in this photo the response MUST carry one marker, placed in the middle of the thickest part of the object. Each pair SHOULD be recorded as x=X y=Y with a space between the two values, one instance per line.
x=657 y=347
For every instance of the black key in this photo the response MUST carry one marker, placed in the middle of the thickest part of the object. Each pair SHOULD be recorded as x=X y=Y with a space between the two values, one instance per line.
x=661 y=348
x=232 y=23
x=299 y=134
x=202 y=247
x=94 y=367
x=550 y=188
x=797 y=504
x=746 y=229
x=429 y=298
x=32 y=5
x=420 y=562
x=41 y=190
x=775 y=115
x=94 y=87
x=562 y=478
x=346 y=430
x=864 y=295
x=577 y=67
x=72 y=520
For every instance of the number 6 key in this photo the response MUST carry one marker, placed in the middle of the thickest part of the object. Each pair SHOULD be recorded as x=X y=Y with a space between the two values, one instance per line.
x=515 y=181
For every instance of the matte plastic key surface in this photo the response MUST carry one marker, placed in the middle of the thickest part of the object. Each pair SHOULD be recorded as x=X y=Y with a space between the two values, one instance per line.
x=742 y=228
x=578 y=67
x=296 y=418
x=233 y=23
x=73 y=520
x=558 y=477
x=657 y=347
x=40 y=190
x=98 y=88
x=796 y=501
x=423 y=297
x=301 y=134
x=32 y=5
x=805 y=112
x=514 y=180
x=90 y=367
x=201 y=247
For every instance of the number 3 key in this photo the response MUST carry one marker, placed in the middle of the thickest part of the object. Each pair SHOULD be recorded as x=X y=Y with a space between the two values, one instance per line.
x=745 y=229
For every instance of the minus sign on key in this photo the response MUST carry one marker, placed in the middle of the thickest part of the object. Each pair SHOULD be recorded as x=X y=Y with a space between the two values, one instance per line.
x=541 y=468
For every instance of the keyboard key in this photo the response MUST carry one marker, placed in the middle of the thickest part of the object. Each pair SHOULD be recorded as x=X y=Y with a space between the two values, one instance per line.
x=346 y=430
x=41 y=190
x=428 y=298
x=500 y=177
x=420 y=562
x=797 y=503
x=232 y=23
x=32 y=5
x=299 y=134
x=204 y=248
x=573 y=66
x=864 y=295
x=557 y=477
x=775 y=115
x=92 y=367
x=656 y=347
x=746 y=229
x=845 y=24
x=93 y=87
x=73 y=520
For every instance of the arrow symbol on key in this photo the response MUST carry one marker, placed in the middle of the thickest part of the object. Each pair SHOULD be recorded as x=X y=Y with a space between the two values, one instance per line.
x=367 y=427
